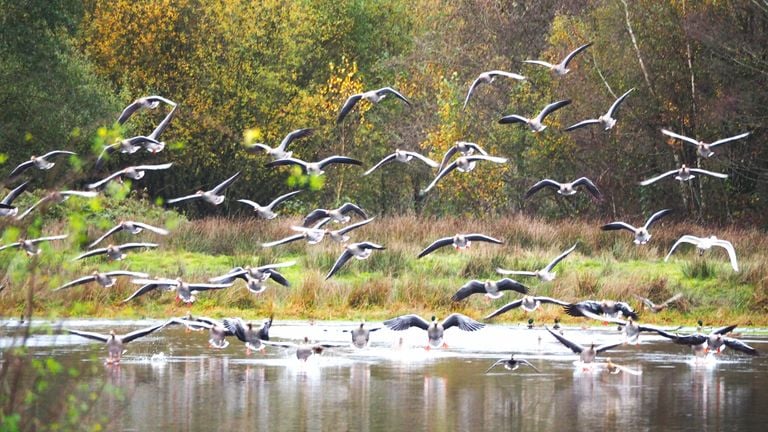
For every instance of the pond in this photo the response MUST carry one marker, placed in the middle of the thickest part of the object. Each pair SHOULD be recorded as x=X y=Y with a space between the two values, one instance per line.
x=172 y=380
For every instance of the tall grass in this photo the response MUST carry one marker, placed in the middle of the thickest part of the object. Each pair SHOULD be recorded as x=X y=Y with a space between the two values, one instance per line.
x=604 y=265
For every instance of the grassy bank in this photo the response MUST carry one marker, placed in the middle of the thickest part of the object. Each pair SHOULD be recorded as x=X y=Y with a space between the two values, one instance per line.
x=604 y=266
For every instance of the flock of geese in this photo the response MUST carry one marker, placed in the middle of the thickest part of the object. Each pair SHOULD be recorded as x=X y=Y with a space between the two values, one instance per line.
x=462 y=157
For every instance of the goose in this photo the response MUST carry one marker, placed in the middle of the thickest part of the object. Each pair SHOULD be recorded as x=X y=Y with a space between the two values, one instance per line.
x=605 y=307
x=683 y=174
x=213 y=196
x=131 y=227
x=30 y=245
x=6 y=209
x=127 y=145
x=148 y=102
x=459 y=241
x=489 y=77
x=360 y=251
x=315 y=235
x=546 y=274
x=373 y=96
x=132 y=172
x=463 y=164
x=115 y=252
x=156 y=145
x=305 y=349
x=255 y=277
x=403 y=156
x=512 y=363
x=703 y=244
x=656 y=308
x=715 y=341
x=217 y=332
x=115 y=344
x=642 y=236
x=186 y=292
x=629 y=327
x=361 y=336
x=281 y=151
x=39 y=162
x=614 y=369
x=435 y=330
x=463 y=147
x=606 y=121
x=106 y=280
x=587 y=353
x=266 y=212
x=337 y=215
x=561 y=68
x=565 y=189
x=535 y=123
x=491 y=289
x=252 y=338
x=702 y=148
x=314 y=168
x=528 y=303
x=56 y=197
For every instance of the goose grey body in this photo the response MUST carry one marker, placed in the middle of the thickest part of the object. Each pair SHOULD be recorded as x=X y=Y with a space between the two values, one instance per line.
x=587 y=353
x=146 y=102
x=361 y=336
x=546 y=274
x=115 y=344
x=267 y=212
x=214 y=196
x=465 y=149
x=402 y=156
x=7 y=209
x=316 y=235
x=704 y=149
x=487 y=78
x=642 y=236
x=106 y=279
x=536 y=123
x=359 y=251
x=684 y=173
x=340 y=214
x=528 y=303
x=132 y=172
x=435 y=330
x=512 y=363
x=256 y=277
x=704 y=244
x=126 y=146
x=715 y=341
x=306 y=349
x=281 y=151
x=459 y=241
x=610 y=308
x=252 y=338
x=656 y=308
x=39 y=162
x=131 y=227
x=30 y=245
x=115 y=252
x=491 y=289
x=185 y=292
x=565 y=189
x=561 y=68
x=606 y=121
x=314 y=168
x=56 y=198
x=463 y=164
x=373 y=96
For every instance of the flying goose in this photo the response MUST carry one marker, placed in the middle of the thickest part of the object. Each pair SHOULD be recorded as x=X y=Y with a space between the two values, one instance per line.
x=463 y=164
x=487 y=78
x=115 y=344
x=459 y=241
x=656 y=308
x=130 y=226
x=213 y=196
x=606 y=121
x=132 y=172
x=492 y=289
x=715 y=341
x=373 y=96
x=316 y=234
x=586 y=354
x=535 y=123
x=106 y=280
x=56 y=197
x=314 y=168
x=512 y=364
x=561 y=68
x=337 y=215
x=360 y=251
x=683 y=174
x=30 y=245
x=186 y=292
x=281 y=151
x=252 y=338
x=463 y=147
x=149 y=102
x=528 y=303
x=435 y=330
x=115 y=252
x=610 y=308
x=630 y=328
x=361 y=335
x=6 y=209
x=255 y=277
x=127 y=145
x=565 y=189
x=156 y=145
x=305 y=349
x=39 y=162
x=704 y=149
x=703 y=244
x=313 y=235
x=266 y=211
x=217 y=332
x=403 y=156
x=642 y=236
x=546 y=274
